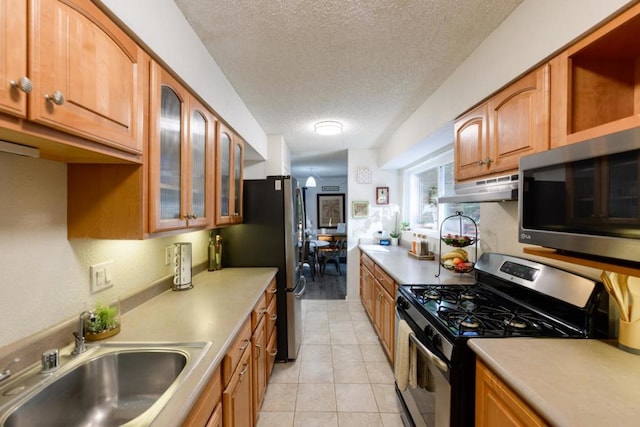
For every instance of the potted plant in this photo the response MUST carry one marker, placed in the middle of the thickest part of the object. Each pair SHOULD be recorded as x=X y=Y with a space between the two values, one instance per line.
x=394 y=237
x=404 y=226
x=103 y=323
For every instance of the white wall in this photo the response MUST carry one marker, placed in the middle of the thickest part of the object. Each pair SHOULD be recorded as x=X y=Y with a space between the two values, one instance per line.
x=534 y=31
x=311 y=195
x=163 y=28
x=45 y=277
x=381 y=217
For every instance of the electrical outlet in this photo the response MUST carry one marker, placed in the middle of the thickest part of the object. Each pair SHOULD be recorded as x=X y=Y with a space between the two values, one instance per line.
x=101 y=276
x=169 y=253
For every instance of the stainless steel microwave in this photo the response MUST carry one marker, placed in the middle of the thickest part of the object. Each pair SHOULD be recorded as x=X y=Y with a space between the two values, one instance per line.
x=584 y=198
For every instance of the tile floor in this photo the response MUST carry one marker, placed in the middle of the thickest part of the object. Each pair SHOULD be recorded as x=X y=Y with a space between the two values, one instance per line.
x=341 y=378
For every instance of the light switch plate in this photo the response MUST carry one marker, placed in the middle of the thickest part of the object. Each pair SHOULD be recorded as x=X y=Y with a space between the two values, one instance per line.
x=101 y=276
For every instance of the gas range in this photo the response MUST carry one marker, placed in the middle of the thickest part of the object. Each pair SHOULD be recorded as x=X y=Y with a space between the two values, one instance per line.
x=512 y=297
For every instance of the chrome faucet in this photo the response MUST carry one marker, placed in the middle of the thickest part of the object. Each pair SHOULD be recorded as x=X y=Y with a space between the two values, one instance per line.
x=6 y=373
x=79 y=334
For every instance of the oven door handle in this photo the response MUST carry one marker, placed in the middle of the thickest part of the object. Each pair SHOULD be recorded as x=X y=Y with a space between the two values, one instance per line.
x=440 y=364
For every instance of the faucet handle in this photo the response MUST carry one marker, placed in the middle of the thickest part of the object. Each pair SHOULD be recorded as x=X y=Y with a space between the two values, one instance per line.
x=50 y=360
x=6 y=373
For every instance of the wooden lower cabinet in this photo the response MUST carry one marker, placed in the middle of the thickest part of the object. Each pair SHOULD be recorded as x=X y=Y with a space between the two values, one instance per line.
x=208 y=408
x=216 y=417
x=237 y=397
x=377 y=293
x=259 y=368
x=498 y=406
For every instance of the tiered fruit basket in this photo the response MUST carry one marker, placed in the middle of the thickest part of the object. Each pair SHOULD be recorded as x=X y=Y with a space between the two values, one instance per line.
x=458 y=259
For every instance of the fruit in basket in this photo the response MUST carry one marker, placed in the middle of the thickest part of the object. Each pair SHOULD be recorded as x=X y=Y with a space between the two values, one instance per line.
x=456 y=240
x=456 y=253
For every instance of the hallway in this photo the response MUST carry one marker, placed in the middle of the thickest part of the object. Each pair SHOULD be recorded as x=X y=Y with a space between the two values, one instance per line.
x=341 y=378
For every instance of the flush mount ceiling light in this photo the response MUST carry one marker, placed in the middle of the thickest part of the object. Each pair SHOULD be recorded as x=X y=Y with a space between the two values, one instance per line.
x=311 y=181
x=328 y=127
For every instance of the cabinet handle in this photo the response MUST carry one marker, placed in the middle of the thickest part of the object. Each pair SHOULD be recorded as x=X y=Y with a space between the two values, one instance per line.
x=259 y=351
x=263 y=310
x=274 y=317
x=23 y=84
x=57 y=98
x=273 y=290
x=244 y=371
x=244 y=345
x=273 y=352
x=486 y=161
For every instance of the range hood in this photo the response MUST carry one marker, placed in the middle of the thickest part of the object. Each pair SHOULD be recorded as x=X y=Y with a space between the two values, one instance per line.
x=496 y=189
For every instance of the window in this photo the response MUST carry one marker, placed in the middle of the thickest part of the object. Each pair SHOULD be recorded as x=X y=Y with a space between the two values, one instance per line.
x=424 y=183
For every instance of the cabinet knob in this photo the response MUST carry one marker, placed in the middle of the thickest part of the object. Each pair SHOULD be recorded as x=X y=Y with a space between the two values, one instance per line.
x=486 y=161
x=57 y=98
x=23 y=84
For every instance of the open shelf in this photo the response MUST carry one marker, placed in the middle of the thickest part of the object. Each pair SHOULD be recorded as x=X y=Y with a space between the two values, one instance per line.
x=593 y=262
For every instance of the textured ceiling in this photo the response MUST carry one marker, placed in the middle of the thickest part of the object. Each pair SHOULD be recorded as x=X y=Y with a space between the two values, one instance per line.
x=366 y=63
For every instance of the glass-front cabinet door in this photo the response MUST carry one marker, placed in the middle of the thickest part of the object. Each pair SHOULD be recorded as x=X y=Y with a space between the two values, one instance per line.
x=199 y=210
x=228 y=177
x=180 y=157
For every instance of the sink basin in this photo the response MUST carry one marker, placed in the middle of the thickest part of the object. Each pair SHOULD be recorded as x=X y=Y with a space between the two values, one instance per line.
x=111 y=385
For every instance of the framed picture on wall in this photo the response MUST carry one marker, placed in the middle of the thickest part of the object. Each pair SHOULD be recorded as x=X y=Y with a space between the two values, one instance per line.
x=382 y=195
x=330 y=210
x=360 y=209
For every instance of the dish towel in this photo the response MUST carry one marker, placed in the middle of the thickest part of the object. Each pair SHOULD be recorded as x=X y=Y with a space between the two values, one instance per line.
x=405 y=363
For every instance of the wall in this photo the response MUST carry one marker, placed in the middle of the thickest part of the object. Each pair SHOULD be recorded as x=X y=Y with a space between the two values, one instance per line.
x=381 y=217
x=311 y=196
x=45 y=276
x=534 y=31
x=162 y=27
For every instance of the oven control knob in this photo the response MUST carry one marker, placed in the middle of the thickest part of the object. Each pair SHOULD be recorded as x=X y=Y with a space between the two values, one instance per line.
x=428 y=330
x=437 y=341
x=403 y=303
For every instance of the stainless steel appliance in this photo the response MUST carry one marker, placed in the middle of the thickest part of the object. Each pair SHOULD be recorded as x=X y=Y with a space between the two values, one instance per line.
x=584 y=197
x=182 y=277
x=512 y=297
x=273 y=218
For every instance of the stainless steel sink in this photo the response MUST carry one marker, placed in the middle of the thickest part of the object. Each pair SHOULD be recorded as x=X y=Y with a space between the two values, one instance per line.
x=110 y=385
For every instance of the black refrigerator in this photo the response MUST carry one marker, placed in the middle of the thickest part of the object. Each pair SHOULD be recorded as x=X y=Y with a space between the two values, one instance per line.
x=270 y=236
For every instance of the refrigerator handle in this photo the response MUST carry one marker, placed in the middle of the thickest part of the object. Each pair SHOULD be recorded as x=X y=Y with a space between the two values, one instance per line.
x=304 y=287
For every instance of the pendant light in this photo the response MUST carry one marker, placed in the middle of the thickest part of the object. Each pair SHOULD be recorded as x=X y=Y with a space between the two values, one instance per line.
x=311 y=181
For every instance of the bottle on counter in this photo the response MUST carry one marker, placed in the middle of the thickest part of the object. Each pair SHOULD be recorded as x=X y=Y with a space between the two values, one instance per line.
x=414 y=244
x=218 y=252
x=211 y=252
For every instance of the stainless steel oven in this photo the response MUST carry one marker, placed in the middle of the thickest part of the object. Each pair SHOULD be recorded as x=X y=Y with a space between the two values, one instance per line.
x=512 y=297
x=427 y=396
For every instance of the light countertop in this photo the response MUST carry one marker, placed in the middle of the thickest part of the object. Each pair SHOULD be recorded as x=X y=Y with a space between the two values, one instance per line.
x=213 y=310
x=568 y=382
x=407 y=269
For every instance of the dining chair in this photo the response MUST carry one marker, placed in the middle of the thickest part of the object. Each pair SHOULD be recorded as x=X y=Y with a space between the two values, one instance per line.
x=332 y=253
x=310 y=258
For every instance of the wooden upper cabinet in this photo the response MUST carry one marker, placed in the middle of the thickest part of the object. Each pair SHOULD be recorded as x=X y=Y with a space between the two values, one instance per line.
x=493 y=136
x=13 y=66
x=88 y=75
x=471 y=132
x=596 y=82
x=519 y=121
x=229 y=170
x=182 y=136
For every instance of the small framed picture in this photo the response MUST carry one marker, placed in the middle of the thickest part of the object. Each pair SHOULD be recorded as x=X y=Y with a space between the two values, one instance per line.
x=382 y=195
x=360 y=209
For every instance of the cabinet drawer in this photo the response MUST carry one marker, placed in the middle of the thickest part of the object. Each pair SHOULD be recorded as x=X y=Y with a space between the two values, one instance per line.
x=271 y=290
x=367 y=262
x=210 y=397
x=258 y=312
x=385 y=280
x=272 y=351
x=235 y=353
x=272 y=317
